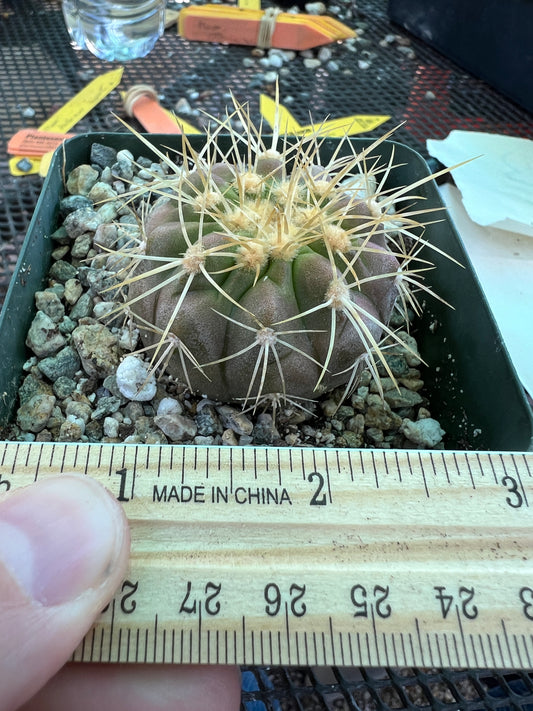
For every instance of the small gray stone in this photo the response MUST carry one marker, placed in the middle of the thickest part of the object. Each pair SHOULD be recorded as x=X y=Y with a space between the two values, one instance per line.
x=128 y=338
x=82 y=308
x=49 y=303
x=353 y=439
x=81 y=179
x=315 y=8
x=206 y=419
x=60 y=252
x=44 y=338
x=329 y=407
x=397 y=365
x=83 y=220
x=132 y=410
x=229 y=439
x=102 y=309
x=60 y=236
x=79 y=411
x=101 y=283
x=32 y=385
x=63 y=387
x=94 y=431
x=71 y=430
x=345 y=411
x=62 y=271
x=375 y=435
x=264 y=431
x=107 y=405
x=73 y=291
x=82 y=245
x=101 y=192
x=169 y=406
x=424 y=433
x=97 y=349
x=33 y=415
x=71 y=203
x=402 y=398
x=67 y=325
x=411 y=351
x=102 y=155
x=379 y=416
x=204 y=441
x=55 y=421
x=324 y=54
x=177 y=428
x=64 y=363
x=123 y=169
x=111 y=427
x=105 y=236
x=235 y=420
x=108 y=211
x=355 y=424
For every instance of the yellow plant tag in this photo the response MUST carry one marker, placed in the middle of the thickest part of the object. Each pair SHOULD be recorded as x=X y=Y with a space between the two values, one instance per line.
x=185 y=126
x=345 y=126
x=249 y=4
x=69 y=114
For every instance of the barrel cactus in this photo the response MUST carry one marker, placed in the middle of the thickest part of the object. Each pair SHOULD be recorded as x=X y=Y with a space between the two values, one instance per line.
x=264 y=273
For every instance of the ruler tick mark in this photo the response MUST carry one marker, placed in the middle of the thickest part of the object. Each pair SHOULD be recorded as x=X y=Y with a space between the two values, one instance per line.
x=485 y=662
x=37 y=468
x=376 y=479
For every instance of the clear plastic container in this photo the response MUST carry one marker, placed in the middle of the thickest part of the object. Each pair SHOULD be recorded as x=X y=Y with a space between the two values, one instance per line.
x=72 y=21
x=116 y=30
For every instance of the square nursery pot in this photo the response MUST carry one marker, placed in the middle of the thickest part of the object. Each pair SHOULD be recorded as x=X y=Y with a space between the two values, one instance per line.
x=471 y=384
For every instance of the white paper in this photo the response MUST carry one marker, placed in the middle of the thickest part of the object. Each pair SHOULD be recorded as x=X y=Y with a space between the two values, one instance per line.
x=496 y=187
x=503 y=262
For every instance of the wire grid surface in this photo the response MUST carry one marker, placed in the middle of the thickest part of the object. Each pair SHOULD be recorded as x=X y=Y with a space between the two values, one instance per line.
x=383 y=72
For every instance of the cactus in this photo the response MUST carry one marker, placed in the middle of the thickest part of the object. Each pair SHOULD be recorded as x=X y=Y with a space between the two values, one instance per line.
x=264 y=274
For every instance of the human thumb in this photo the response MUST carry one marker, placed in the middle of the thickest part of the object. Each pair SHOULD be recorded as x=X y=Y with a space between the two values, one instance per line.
x=64 y=548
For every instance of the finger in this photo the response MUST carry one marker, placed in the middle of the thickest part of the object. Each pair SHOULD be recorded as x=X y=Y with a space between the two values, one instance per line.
x=64 y=548
x=124 y=687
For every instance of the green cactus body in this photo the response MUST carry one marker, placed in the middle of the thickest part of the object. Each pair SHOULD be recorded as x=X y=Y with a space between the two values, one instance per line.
x=264 y=276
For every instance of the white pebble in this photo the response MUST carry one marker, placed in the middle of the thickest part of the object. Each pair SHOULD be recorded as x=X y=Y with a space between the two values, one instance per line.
x=424 y=433
x=111 y=427
x=315 y=8
x=169 y=406
x=128 y=338
x=135 y=381
x=324 y=54
x=271 y=77
x=103 y=308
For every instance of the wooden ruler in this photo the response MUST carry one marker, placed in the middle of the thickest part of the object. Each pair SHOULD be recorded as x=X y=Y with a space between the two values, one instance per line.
x=310 y=556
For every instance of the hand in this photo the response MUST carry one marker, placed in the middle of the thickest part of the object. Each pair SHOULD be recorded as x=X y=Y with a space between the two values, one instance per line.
x=64 y=548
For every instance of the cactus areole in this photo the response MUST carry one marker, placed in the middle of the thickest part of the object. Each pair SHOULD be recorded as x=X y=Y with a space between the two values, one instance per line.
x=265 y=274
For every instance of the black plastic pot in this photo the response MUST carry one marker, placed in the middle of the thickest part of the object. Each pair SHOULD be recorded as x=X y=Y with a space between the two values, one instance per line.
x=472 y=385
x=488 y=38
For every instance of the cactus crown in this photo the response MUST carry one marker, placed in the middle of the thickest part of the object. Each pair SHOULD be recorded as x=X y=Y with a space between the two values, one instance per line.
x=264 y=273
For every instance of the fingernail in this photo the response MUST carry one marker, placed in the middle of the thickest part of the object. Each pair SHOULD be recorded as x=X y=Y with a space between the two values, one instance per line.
x=60 y=537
